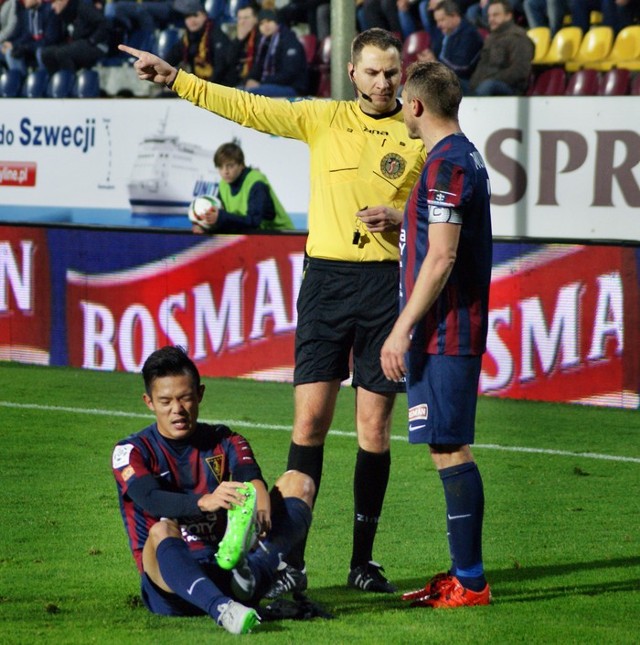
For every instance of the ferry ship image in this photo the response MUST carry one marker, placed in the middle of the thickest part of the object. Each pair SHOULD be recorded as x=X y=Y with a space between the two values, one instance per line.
x=168 y=173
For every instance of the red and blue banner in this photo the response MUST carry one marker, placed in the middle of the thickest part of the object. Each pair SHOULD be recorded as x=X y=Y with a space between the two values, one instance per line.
x=564 y=318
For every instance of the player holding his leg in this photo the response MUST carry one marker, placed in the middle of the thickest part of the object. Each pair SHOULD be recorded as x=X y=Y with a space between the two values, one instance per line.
x=178 y=481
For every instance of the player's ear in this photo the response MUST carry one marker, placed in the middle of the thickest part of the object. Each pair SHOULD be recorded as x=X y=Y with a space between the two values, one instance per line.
x=350 y=69
x=417 y=107
x=200 y=393
x=147 y=401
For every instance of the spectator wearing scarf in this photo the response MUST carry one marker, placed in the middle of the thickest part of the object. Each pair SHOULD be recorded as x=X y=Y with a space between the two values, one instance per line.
x=204 y=48
x=280 y=67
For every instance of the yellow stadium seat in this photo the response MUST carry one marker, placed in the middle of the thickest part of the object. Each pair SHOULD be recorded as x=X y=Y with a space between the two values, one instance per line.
x=564 y=46
x=595 y=46
x=541 y=37
x=625 y=52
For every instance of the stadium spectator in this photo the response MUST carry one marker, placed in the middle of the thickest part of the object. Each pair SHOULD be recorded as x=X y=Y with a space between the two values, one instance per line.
x=38 y=26
x=8 y=24
x=196 y=474
x=280 y=65
x=249 y=203
x=382 y=14
x=86 y=37
x=476 y=12
x=505 y=59
x=204 y=48
x=245 y=44
x=362 y=162
x=546 y=13
x=616 y=14
x=301 y=11
x=461 y=42
x=440 y=335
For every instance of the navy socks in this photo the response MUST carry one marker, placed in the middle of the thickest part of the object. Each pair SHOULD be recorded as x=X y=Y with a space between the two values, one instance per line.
x=464 y=496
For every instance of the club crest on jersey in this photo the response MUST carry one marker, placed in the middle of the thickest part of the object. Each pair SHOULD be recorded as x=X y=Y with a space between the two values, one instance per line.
x=216 y=464
x=392 y=165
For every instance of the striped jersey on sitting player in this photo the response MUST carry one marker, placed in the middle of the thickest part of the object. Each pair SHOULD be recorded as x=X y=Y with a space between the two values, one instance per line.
x=183 y=471
x=453 y=187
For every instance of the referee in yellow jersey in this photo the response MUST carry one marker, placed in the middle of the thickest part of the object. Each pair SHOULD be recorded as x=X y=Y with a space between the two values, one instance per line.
x=363 y=166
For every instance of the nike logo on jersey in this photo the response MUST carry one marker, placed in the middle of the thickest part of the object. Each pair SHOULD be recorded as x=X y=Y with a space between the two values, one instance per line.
x=413 y=428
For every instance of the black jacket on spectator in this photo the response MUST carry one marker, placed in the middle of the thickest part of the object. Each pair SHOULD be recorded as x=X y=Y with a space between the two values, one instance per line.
x=462 y=49
x=83 y=21
x=44 y=22
x=205 y=53
x=288 y=64
x=87 y=38
x=243 y=53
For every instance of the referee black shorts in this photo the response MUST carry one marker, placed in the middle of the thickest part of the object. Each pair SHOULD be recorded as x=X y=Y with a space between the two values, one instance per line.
x=345 y=306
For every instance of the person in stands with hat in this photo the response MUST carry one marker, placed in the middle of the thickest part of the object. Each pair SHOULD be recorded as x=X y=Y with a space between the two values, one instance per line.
x=280 y=65
x=204 y=47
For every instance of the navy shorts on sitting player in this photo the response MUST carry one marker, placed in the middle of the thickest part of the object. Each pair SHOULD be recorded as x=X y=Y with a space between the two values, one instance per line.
x=442 y=393
x=345 y=305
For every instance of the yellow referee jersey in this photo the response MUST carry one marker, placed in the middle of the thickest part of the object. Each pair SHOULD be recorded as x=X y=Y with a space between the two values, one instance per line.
x=356 y=161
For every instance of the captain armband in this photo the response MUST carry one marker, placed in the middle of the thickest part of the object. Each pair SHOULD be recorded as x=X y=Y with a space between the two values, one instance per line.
x=444 y=215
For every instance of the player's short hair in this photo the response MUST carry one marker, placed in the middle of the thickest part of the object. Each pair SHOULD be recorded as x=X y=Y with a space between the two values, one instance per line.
x=168 y=361
x=226 y=153
x=376 y=37
x=437 y=86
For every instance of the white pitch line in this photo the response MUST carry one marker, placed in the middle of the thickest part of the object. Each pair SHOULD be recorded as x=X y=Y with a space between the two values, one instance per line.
x=339 y=433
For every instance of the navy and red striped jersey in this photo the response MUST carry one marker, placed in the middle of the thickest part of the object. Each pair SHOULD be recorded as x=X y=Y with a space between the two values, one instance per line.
x=212 y=454
x=453 y=186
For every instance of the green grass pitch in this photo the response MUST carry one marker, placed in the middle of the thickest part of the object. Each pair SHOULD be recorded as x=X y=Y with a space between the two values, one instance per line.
x=561 y=535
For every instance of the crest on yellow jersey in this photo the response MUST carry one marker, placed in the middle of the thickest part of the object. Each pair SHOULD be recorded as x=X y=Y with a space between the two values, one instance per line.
x=392 y=165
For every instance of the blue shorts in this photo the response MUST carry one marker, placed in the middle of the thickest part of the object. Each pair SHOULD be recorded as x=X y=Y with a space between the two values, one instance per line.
x=442 y=393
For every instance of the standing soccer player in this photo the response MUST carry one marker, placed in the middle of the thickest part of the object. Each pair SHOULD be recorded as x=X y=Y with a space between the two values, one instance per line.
x=363 y=166
x=439 y=338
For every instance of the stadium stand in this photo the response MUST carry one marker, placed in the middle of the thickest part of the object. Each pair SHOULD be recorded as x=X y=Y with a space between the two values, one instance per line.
x=166 y=41
x=86 y=85
x=414 y=43
x=615 y=82
x=61 y=84
x=595 y=46
x=583 y=82
x=626 y=47
x=10 y=83
x=564 y=46
x=35 y=85
x=324 y=68
x=310 y=44
x=549 y=82
x=541 y=37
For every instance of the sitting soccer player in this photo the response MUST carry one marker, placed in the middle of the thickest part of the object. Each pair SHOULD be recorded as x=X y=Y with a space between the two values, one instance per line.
x=249 y=203
x=180 y=482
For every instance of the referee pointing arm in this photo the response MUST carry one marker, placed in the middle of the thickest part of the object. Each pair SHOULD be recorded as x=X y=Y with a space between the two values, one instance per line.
x=363 y=165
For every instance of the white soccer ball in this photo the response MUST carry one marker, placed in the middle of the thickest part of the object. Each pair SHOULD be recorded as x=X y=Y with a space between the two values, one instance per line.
x=199 y=207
